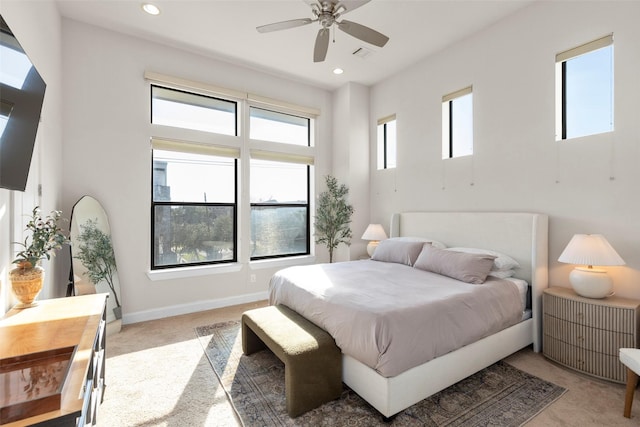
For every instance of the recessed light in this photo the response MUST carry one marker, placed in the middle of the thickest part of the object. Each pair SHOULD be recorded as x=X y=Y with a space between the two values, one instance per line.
x=338 y=71
x=151 y=9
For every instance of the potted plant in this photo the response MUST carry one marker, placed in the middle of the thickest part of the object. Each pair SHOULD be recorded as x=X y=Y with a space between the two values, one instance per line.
x=95 y=252
x=45 y=238
x=333 y=216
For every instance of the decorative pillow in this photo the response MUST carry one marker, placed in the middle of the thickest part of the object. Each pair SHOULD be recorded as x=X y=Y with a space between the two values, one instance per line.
x=467 y=267
x=502 y=261
x=434 y=243
x=399 y=251
x=501 y=274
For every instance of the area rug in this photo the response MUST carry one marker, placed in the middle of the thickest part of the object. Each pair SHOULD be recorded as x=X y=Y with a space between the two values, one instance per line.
x=499 y=395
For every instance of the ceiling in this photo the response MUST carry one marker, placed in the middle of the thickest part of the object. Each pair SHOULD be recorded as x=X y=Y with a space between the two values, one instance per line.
x=226 y=29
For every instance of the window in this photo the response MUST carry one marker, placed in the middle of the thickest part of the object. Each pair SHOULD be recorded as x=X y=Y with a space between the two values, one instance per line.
x=193 y=207
x=279 y=187
x=457 y=124
x=279 y=127
x=584 y=90
x=186 y=110
x=198 y=198
x=279 y=209
x=387 y=145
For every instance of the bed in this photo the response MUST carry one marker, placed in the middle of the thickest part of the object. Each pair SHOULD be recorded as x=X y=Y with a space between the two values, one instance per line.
x=393 y=384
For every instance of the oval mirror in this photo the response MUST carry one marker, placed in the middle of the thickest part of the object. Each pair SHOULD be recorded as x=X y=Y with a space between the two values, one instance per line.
x=93 y=261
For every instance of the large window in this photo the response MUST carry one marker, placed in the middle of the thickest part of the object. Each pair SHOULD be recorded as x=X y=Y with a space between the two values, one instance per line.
x=387 y=143
x=457 y=124
x=193 y=208
x=198 y=199
x=279 y=209
x=584 y=90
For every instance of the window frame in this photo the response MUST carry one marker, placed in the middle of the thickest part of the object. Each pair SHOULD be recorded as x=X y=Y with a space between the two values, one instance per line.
x=245 y=148
x=233 y=205
x=561 y=84
x=448 y=100
x=384 y=149
x=289 y=205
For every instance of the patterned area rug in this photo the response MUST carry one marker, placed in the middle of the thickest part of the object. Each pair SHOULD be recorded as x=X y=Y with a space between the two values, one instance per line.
x=499 y=395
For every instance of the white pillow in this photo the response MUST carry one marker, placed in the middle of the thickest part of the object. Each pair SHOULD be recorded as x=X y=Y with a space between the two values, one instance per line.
x=502 y=261
x=434 y=243
x=501 y=274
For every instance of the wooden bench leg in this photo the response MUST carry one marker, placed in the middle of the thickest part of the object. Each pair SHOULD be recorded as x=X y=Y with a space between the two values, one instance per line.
x=632 y=382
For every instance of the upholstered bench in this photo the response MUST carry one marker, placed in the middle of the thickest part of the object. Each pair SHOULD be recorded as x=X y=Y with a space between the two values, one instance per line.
x=312 y=361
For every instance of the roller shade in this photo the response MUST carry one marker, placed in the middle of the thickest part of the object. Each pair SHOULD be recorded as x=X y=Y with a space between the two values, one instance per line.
x=585 y=48
x=457 y=94
x=257 y=100
x=193 y=148
x=386 y=119
x=281 y=157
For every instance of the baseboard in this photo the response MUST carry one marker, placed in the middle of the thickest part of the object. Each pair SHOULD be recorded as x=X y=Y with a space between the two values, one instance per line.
x=176 y=310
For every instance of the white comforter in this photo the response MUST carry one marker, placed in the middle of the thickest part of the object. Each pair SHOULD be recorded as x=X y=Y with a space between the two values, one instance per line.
x=393 y=317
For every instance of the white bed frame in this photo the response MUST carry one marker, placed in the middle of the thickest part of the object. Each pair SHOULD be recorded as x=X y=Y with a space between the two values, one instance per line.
x=522 y=236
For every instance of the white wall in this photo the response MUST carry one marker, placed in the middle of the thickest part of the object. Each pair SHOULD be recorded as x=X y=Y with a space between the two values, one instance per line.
x=107 y=155
x=37 y=27
x=517 y=165
x=350 y=161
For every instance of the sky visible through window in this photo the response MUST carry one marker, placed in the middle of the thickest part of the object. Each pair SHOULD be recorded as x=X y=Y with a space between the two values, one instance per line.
x=589 y=91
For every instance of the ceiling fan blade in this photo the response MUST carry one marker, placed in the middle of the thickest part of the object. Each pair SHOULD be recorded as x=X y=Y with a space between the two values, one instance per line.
x=363 y=33
x=277 y=26
x=322 y=45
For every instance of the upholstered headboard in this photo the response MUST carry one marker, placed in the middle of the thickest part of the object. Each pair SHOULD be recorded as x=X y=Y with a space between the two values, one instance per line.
x=523 y=236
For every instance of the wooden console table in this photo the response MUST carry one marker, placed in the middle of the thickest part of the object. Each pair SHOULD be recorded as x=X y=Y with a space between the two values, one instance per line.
x=72 y=331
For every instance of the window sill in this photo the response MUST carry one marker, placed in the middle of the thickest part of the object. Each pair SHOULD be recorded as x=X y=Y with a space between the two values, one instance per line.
x=282 y=262
x=180 y=273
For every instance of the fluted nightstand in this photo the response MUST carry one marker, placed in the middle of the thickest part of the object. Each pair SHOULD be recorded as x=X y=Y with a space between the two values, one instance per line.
x=586 y=334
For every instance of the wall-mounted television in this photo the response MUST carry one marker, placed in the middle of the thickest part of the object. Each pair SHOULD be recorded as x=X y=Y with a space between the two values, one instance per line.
x=21 y=96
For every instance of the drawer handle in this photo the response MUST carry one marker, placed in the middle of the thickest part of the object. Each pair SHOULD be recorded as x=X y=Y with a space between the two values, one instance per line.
x=580 y=315
x=580 y=338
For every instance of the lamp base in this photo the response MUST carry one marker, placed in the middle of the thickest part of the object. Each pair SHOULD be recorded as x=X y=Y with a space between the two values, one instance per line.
x=591 y=282
x=371 y=247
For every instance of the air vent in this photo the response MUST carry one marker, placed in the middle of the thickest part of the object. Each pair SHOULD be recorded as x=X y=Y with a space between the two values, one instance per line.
x=362 y=52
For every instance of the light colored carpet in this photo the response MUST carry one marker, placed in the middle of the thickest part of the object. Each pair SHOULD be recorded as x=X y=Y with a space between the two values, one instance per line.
x=158 y=375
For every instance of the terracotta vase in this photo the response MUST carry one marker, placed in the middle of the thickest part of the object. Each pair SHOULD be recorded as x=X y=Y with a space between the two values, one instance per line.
x=26 y=283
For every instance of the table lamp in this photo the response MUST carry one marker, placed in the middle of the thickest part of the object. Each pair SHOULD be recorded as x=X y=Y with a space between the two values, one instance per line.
x=374 y=233
x=588 y=250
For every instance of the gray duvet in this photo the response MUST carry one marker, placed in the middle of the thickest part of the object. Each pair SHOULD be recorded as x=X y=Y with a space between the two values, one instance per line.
x=393 y=317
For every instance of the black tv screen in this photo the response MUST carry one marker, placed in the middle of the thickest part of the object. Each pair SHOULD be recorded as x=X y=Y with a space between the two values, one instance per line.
x=21 y=96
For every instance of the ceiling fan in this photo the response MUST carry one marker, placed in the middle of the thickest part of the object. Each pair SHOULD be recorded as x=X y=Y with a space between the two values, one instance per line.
x=327 y=12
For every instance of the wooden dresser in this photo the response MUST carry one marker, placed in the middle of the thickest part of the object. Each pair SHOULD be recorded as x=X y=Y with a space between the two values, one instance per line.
x=586 y=334
x=52 y=362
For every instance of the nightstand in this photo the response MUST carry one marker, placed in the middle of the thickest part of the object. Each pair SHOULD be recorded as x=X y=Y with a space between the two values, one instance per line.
x=586 y=334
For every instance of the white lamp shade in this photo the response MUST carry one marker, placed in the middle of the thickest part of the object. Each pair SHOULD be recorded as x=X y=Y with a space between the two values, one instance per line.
x=590 y=249
x=374 y=232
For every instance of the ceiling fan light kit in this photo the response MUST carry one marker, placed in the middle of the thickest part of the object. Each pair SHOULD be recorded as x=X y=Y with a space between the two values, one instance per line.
x=327 y=13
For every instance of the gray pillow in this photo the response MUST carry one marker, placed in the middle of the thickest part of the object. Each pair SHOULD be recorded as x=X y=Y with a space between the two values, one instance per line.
x=401 y=252
x=470 y=268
